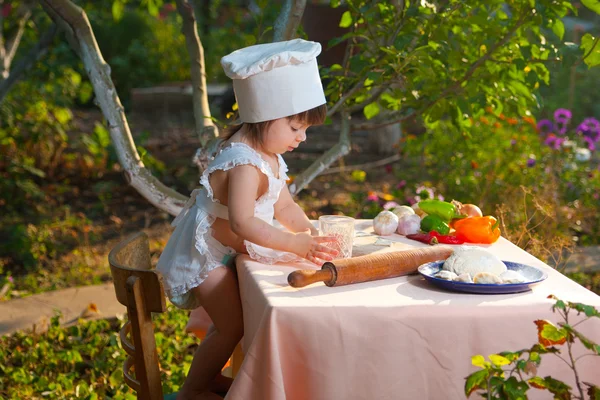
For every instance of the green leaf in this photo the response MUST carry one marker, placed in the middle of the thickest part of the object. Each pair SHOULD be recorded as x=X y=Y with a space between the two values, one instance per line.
x=561 y=390
x=593 y=5
x=538 y=382
x=550 y=335
x=335 y=3
x=116 y=377
x=591 y=50
x=542 y=73
x=85 y=92
x=390 y=101
x=117 y=10
x=558 y=28
x=520 y=88
x=62 y=115
x=589 y=311
x=152 y=8
x=498 y=360
x=346 y=20
x=515 y=389
x=371 y=110
x=587 y=343
x=476 y=380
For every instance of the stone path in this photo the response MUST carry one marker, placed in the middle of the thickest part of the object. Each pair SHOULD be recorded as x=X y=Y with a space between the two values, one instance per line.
x=34 y=312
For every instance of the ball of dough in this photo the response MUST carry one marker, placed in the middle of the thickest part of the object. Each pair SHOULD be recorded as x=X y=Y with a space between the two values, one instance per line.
x=486 y=277
x=472 y=260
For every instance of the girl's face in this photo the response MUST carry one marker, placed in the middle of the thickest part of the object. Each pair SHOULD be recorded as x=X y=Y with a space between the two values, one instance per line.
x=284 y=135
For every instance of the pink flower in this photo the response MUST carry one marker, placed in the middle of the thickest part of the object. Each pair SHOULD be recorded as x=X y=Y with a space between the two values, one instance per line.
x=372 y=196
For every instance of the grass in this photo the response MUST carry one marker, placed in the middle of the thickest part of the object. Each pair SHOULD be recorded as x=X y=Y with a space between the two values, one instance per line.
x=84 y=361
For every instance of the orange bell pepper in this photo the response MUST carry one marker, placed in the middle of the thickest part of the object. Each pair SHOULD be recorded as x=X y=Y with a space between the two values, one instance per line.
x=477 y=229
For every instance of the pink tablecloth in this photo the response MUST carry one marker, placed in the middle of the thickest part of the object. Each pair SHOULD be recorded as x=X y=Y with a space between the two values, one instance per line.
x=398 y=338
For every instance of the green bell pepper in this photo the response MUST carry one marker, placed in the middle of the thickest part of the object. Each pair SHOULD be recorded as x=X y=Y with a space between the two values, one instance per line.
x=446 y=211
x=434 y=223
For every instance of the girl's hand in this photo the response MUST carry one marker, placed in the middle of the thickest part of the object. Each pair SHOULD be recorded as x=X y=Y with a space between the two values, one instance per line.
x=310 y=247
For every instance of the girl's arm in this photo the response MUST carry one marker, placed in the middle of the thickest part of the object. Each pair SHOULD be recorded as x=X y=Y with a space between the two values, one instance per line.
x=243 y=192
x=291 y=215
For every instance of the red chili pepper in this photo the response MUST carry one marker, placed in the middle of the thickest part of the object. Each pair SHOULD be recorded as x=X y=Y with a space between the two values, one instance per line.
x=446 y=239
x=426 y=238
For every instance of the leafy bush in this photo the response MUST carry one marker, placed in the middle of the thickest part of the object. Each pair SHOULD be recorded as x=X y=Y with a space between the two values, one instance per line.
x=544 y=195
x=141 y=50
x=84 y=361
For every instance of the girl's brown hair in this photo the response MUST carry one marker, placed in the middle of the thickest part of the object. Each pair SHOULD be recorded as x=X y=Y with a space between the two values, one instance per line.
x=256 y=131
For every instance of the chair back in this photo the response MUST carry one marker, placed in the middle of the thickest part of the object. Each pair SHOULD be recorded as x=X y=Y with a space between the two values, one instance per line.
x=140 y=290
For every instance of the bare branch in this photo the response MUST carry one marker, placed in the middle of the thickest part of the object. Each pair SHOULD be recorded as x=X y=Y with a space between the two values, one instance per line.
x=10 y=48
x=205 y=128
x=363 y=167
x=75 y=23
x=345 y=97
x=289 y=19
x=26 y=62
x=339 y=150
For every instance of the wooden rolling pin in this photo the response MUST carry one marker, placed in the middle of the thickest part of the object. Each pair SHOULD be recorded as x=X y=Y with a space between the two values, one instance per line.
x=371 y=267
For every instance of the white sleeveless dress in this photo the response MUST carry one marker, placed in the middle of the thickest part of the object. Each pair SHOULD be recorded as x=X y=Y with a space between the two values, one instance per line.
x=192 y=251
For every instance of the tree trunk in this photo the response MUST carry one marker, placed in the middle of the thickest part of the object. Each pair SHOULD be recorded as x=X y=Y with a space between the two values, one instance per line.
x=384 y=140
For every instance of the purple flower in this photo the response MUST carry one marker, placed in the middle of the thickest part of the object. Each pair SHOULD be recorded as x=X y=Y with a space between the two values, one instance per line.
x=545 y=126
x=440 y=197
x=590 y=143
x=10 y=279
x=401 y=184
x=590 y=127
x=554 y=142
x=530 y=162
x=390 y=204
x=596 y=196
x=513 y=142
x=562 y=115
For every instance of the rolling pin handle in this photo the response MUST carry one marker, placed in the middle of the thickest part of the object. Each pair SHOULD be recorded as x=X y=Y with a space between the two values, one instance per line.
x=306 y=277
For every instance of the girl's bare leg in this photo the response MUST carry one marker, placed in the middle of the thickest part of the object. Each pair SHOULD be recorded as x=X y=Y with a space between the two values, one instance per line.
x=221 y=383
x=219 y=295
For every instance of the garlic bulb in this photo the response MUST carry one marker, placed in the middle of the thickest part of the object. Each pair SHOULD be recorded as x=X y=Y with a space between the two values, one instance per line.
x=409 y=224
x=385 y=223
x=403 y=210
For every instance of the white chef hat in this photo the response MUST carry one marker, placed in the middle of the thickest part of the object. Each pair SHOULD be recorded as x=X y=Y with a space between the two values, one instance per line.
x=275 y=80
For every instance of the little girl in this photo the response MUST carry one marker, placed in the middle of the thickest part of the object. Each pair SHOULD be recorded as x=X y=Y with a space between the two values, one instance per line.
x=279 y=95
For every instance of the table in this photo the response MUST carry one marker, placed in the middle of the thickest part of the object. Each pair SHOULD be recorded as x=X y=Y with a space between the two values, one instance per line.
x=397 y=338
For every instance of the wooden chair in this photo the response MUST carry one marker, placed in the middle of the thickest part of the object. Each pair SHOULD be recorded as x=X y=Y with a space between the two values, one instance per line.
x=140 y=289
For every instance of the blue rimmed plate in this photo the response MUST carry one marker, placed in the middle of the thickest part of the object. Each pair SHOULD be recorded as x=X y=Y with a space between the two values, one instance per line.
x=532 y=275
